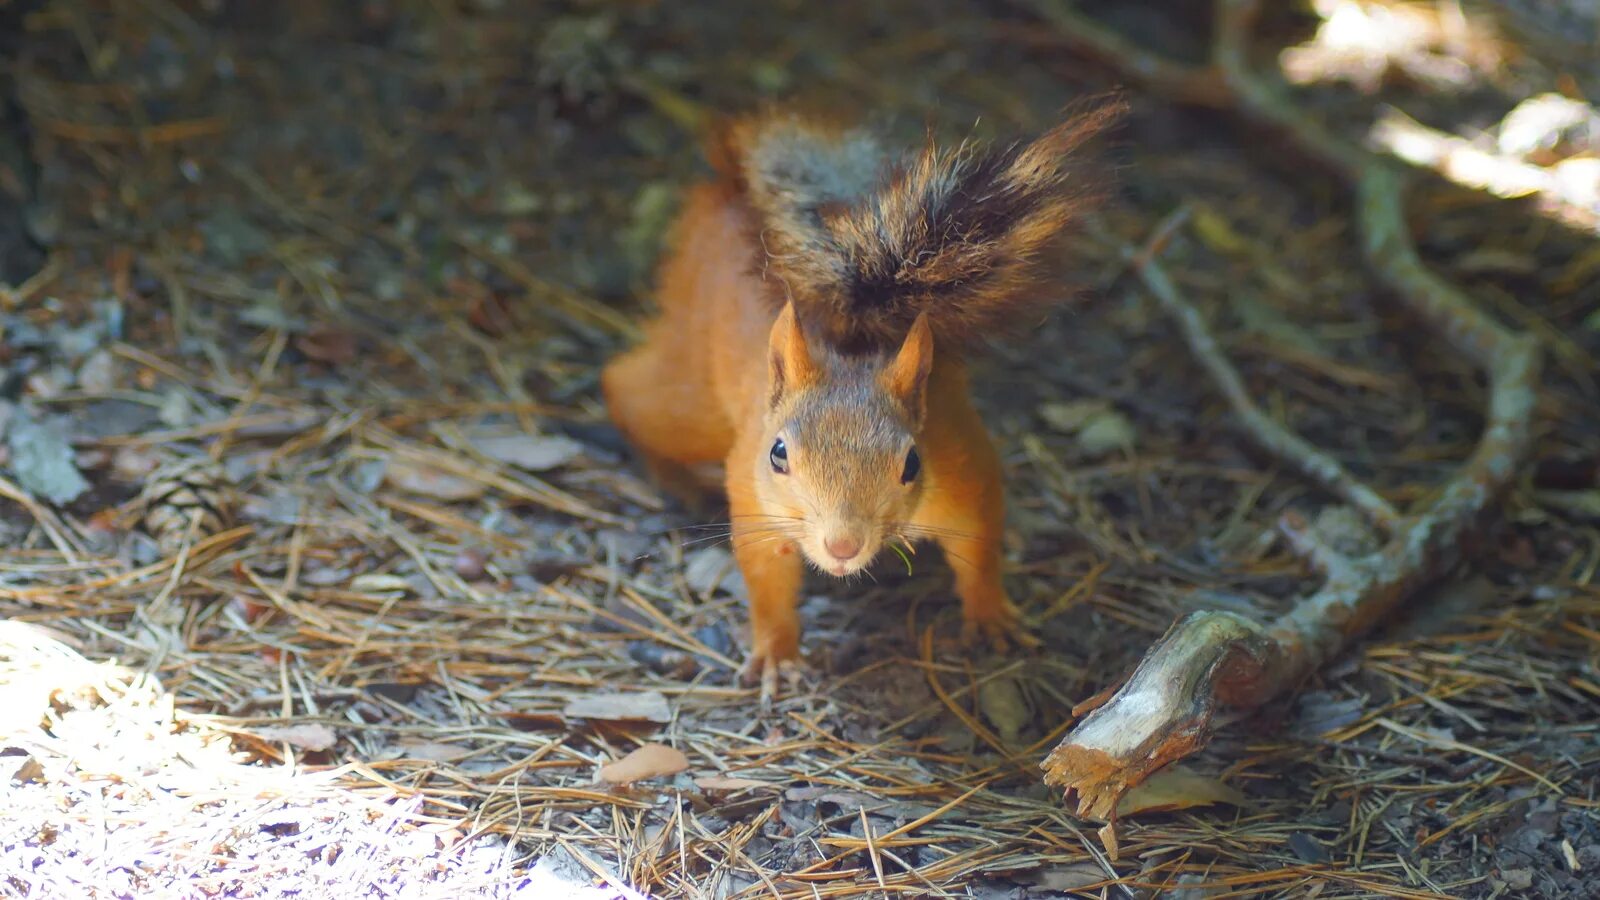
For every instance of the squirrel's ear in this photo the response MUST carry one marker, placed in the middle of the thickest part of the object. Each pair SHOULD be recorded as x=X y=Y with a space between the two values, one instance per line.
x=906 y=378
x=790 y=364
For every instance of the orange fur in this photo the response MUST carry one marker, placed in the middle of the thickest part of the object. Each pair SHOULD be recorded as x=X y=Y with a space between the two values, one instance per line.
x=813 y=308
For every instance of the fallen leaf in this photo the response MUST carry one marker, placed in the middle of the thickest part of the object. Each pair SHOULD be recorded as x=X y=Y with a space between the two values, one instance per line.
x=728 y=783
x=48 y=382
x=515 y=199
x=560 y=876
x=1216 y=232
x=1106 y=432
x=41 y=457
x=374 y=583
x=1069 y=418
x=845 y=800
x=649 y=761
x=311 y=736
x=1069 y=878
x=490 y=314
x=284 y=425
x=249 y=609
x=430 y=482
x=1002 y=703
x=319 y=574
x=1099 y=428
x=22 y=769
x=645 y=706
x=1519 y=879
x=432 y=751
x=533 y=452
x=1177 y=788
x=328 y=345
x=707 y=568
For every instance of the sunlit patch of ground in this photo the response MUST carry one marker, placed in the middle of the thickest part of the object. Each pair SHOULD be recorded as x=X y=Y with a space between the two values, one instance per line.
x=110 y=791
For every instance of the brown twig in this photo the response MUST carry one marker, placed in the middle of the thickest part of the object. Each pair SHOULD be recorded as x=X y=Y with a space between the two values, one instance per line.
x=1167 y=708
x=1272 y=437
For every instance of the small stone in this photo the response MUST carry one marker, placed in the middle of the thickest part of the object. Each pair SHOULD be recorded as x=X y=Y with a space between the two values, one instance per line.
x=1307 y=848
x=1517 y=879
x=469 y=563
x=715 y=637
x=98 y=374
x=176 y=411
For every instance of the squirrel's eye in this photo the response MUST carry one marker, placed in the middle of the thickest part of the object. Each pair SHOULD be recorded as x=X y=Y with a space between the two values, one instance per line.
x=913 y=466
x=779 y=457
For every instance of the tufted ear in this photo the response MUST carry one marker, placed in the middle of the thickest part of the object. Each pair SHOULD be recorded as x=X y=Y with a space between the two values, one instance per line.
x=790 y=365
x=906 y=378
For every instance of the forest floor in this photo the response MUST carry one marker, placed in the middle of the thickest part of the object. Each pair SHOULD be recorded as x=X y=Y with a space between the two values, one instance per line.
x=348 y=273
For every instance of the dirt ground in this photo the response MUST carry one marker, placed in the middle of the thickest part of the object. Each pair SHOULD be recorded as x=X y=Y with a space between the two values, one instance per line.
x=344 y=275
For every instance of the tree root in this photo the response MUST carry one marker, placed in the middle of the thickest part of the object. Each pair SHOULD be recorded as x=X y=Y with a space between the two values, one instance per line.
x=1166 y=709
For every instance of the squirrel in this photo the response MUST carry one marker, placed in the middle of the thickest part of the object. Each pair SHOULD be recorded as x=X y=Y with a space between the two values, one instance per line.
x=817 y=304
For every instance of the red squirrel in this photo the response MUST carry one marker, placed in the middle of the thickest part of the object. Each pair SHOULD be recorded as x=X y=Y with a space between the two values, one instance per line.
x=817 y=304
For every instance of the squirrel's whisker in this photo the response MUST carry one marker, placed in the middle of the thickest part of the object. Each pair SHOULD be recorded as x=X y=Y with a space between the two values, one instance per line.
x=772 y=538
x=934 y=531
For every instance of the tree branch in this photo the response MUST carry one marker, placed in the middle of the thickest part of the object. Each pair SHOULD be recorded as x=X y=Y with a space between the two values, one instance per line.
x=1268 y=434
x=1166 y=709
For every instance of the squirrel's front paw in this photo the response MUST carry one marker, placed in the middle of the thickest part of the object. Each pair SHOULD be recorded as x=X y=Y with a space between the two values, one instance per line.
x=999 y=628
x=769 y=669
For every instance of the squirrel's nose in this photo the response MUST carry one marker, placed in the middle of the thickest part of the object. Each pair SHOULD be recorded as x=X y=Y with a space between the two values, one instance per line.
x=843 y=548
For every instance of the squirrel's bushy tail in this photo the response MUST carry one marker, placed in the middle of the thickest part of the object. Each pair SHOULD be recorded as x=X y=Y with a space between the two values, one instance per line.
x=863 y=243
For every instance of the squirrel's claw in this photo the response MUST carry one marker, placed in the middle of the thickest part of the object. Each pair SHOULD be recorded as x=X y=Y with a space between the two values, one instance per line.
x=769 y=671
x=1000 y=632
